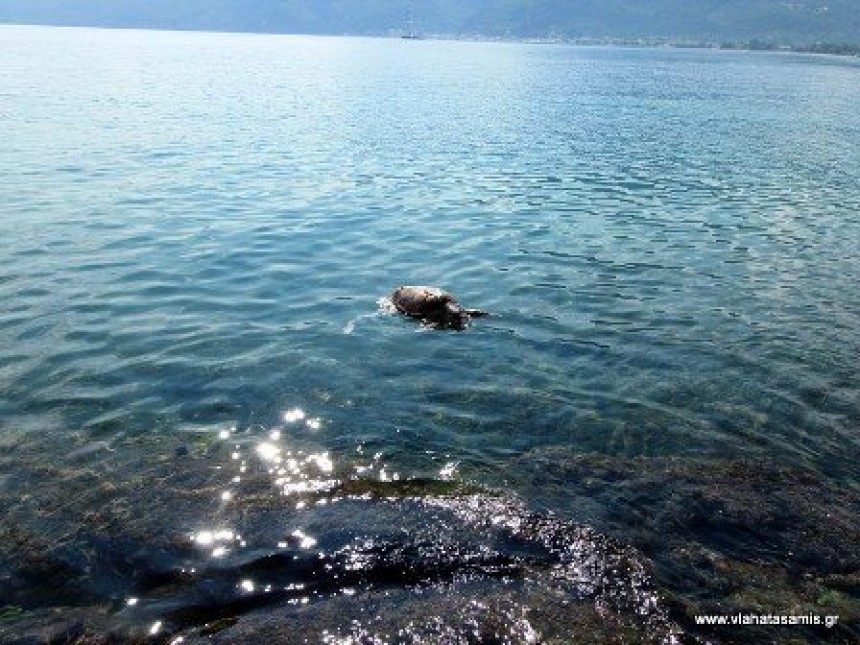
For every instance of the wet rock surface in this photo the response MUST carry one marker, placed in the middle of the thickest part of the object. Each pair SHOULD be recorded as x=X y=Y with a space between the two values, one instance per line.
x=594 y=549
x=725 y=537
x=373 y=561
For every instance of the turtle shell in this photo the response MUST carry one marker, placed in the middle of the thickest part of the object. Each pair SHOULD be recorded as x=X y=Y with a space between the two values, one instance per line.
x=423 y=302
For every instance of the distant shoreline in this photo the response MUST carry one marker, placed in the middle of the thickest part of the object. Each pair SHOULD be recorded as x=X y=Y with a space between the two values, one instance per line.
x=754 y=45
x=834 y=49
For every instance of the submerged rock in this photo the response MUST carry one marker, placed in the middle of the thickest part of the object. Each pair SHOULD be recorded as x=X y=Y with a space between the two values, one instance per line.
x=744 y=536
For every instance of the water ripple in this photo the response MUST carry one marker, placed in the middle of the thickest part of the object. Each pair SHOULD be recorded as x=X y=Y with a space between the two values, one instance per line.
x=670 y=268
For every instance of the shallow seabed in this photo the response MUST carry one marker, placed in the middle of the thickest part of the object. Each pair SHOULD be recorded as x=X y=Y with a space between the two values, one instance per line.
x=212 y=429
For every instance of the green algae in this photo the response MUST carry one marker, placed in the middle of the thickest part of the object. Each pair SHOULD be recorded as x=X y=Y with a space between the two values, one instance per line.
x=10 y=614
x=218 y=625
x=418 y=487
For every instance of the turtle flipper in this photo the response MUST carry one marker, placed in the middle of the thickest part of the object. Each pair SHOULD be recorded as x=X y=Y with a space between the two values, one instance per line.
x=455 y=316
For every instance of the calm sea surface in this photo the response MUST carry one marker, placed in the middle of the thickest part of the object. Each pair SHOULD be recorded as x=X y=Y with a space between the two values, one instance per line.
x=208 y=413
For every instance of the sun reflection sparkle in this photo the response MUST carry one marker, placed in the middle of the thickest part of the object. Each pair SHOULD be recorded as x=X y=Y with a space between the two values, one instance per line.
x=305 y=541
x=296 y=414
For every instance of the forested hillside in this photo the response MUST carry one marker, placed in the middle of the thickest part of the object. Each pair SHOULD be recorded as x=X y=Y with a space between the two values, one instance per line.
x=776 y=21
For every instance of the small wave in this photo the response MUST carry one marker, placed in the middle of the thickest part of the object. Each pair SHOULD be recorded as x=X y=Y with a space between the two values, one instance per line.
x=349 y=327
x=385 y=306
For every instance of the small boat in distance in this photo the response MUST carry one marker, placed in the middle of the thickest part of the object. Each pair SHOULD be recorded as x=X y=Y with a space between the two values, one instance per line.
x=409 y=32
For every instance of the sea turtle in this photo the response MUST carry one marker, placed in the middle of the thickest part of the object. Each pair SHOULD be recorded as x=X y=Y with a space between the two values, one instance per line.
x=433 y=305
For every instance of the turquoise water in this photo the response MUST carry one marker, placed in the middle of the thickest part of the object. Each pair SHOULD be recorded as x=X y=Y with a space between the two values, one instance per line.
x=197 y=235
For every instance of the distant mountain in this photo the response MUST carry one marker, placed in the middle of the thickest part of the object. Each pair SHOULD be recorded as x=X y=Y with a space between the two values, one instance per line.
x=773 y=21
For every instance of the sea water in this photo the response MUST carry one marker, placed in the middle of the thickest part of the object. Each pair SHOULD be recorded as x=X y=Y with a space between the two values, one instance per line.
x=211 y=425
